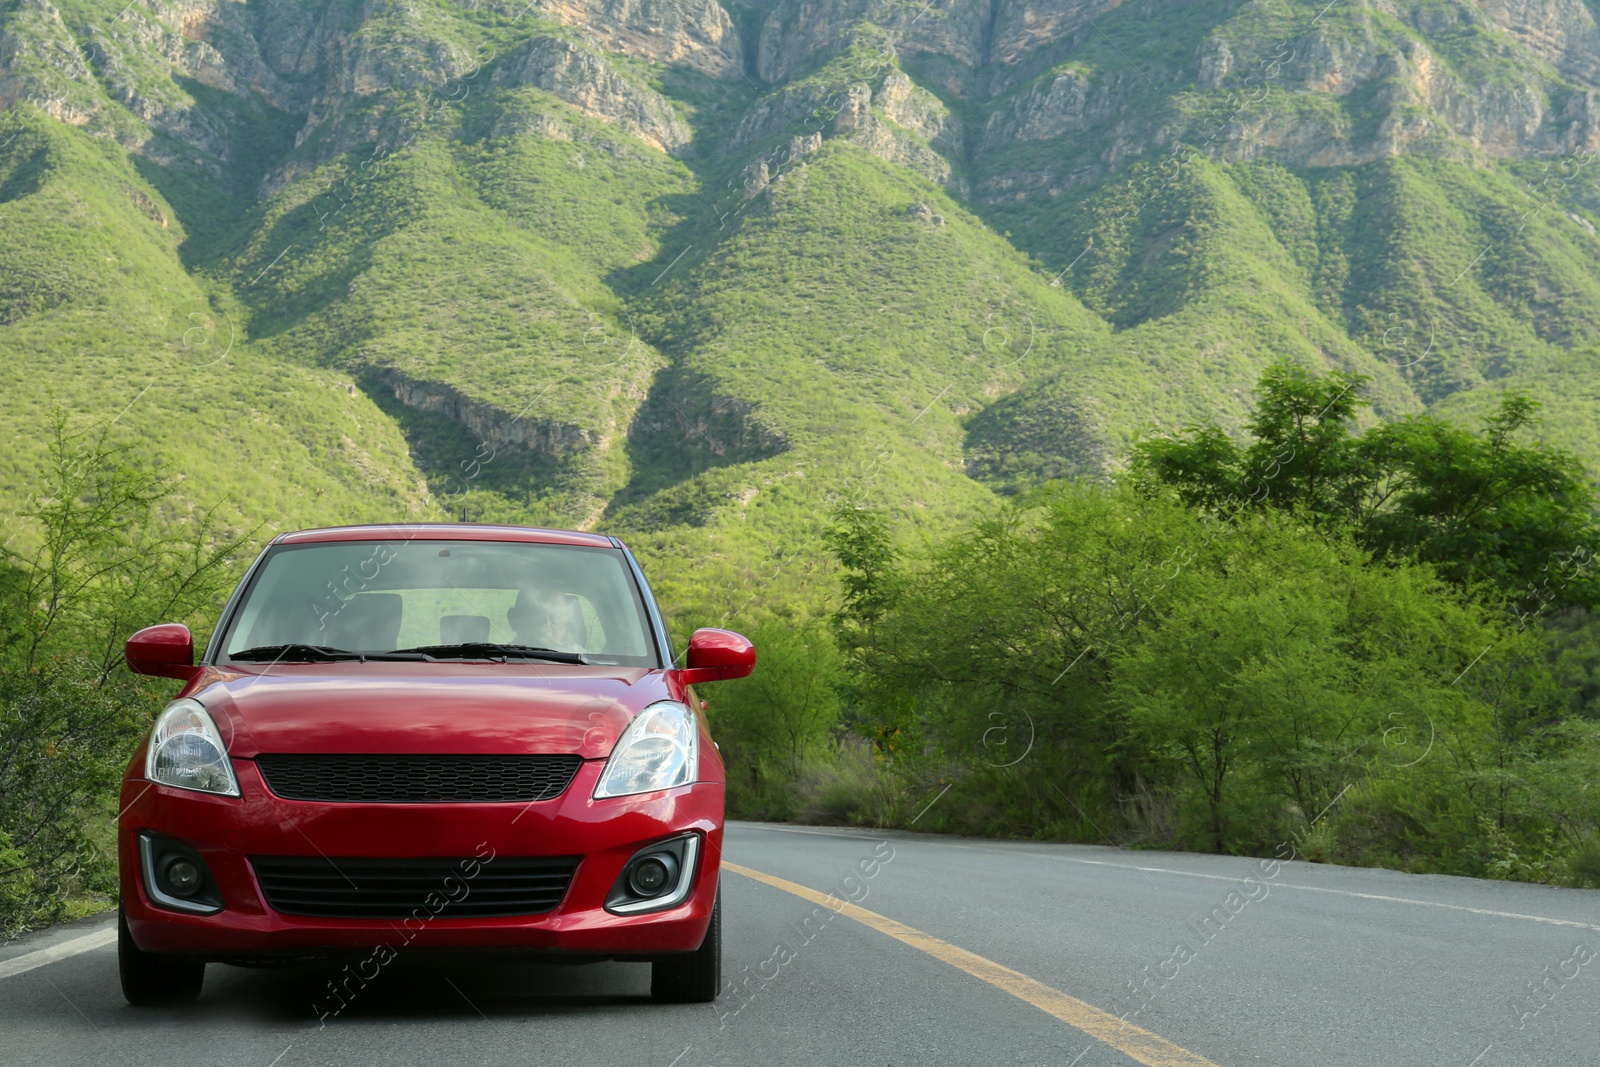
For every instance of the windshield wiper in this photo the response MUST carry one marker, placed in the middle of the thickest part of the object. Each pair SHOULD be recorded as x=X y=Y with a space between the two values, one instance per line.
x=298 y=653
x=295 y=653
x=490 y=650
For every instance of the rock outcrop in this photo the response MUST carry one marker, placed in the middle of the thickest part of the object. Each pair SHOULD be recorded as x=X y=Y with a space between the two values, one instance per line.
x=997 y=41
x=1342 y=90
x=1563 y=33
x=583 y=79
x=693 y=33
x=898 y=121
x=1064 y=102
x=704 y=425
x=43 y=64
x=495 y=427
x=906 y=125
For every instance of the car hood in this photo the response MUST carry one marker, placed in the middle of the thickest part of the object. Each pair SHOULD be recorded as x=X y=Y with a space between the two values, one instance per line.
x=395 y=708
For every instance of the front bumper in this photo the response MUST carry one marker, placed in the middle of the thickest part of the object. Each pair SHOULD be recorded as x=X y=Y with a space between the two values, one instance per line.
x=225 y=831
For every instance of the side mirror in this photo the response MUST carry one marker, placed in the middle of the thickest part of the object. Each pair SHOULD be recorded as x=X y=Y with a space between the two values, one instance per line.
x=716 y=656
x=166 y=651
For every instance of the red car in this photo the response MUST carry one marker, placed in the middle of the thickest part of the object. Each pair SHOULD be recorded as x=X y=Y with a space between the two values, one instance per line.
x=421 y=737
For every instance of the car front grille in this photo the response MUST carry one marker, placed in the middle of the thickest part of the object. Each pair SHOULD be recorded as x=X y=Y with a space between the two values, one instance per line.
x=365 y=888
x=418 y=779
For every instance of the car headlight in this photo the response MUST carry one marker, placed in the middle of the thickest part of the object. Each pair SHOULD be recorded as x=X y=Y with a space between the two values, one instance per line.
x=187 y=752
x=659 y=749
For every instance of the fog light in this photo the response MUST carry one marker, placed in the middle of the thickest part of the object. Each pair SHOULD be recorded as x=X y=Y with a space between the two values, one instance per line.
x=656 y=877
x=182 y=877
x=176 y=877
x=648 y=877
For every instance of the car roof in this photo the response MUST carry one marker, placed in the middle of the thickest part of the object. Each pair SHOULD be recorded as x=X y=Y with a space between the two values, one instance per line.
x=441 y=531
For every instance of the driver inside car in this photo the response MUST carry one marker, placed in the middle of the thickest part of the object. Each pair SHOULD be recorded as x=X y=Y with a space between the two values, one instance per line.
x=545 y=619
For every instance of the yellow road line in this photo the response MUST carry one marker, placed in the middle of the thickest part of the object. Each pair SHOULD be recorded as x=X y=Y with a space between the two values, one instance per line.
x=1141 y=1045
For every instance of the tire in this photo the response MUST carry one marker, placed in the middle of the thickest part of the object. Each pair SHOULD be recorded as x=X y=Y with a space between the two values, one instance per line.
x=150 y=978
x=692 y=977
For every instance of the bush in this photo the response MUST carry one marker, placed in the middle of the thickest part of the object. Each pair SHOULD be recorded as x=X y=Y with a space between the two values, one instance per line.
x=98 y=559
x=846 y=785
x=772 y=722
x=1094 y=663
x=1583 y=866
x=63 y=742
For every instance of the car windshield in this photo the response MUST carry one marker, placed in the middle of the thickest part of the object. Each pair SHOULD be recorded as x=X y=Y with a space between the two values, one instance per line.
x=470 y=600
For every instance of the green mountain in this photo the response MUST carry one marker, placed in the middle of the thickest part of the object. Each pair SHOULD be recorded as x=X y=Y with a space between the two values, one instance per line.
x=694 y=273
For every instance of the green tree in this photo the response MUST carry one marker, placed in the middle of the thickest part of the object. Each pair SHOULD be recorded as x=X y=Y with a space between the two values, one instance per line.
x=1300 y=453
x=1090 y=661
x=862 y=543
x=995 y=653
x=1296 y=668
x=1575 y=646
x=1482 y=508
x=100 y=552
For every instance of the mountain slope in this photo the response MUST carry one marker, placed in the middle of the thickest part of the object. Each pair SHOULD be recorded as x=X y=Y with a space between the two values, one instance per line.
x=102 y=320
x=698 y=273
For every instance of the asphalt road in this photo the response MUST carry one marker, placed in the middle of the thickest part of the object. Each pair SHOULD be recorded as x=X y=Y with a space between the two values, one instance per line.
x=966 y=952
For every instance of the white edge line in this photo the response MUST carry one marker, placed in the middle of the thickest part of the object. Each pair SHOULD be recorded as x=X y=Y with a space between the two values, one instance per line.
x=56 y=953
x=1449 y=907
x=1307 y=888
x=1230 y=878
x=817 y=833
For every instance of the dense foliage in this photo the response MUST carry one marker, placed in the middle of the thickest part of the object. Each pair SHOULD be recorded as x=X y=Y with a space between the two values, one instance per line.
x=85 y=563
x=1141 y=664
x=1482 y=508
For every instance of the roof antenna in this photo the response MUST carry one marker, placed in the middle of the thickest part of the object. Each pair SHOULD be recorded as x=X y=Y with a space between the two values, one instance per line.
x=463 y=514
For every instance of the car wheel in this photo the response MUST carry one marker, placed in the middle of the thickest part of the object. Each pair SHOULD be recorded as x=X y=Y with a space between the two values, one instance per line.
x=151 y=978
x=692 y=977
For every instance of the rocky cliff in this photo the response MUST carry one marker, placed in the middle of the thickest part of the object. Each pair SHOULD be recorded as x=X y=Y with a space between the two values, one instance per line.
x=1362 y=79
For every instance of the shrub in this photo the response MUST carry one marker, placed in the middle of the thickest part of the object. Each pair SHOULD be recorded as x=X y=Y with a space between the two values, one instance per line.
x=98 y=559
